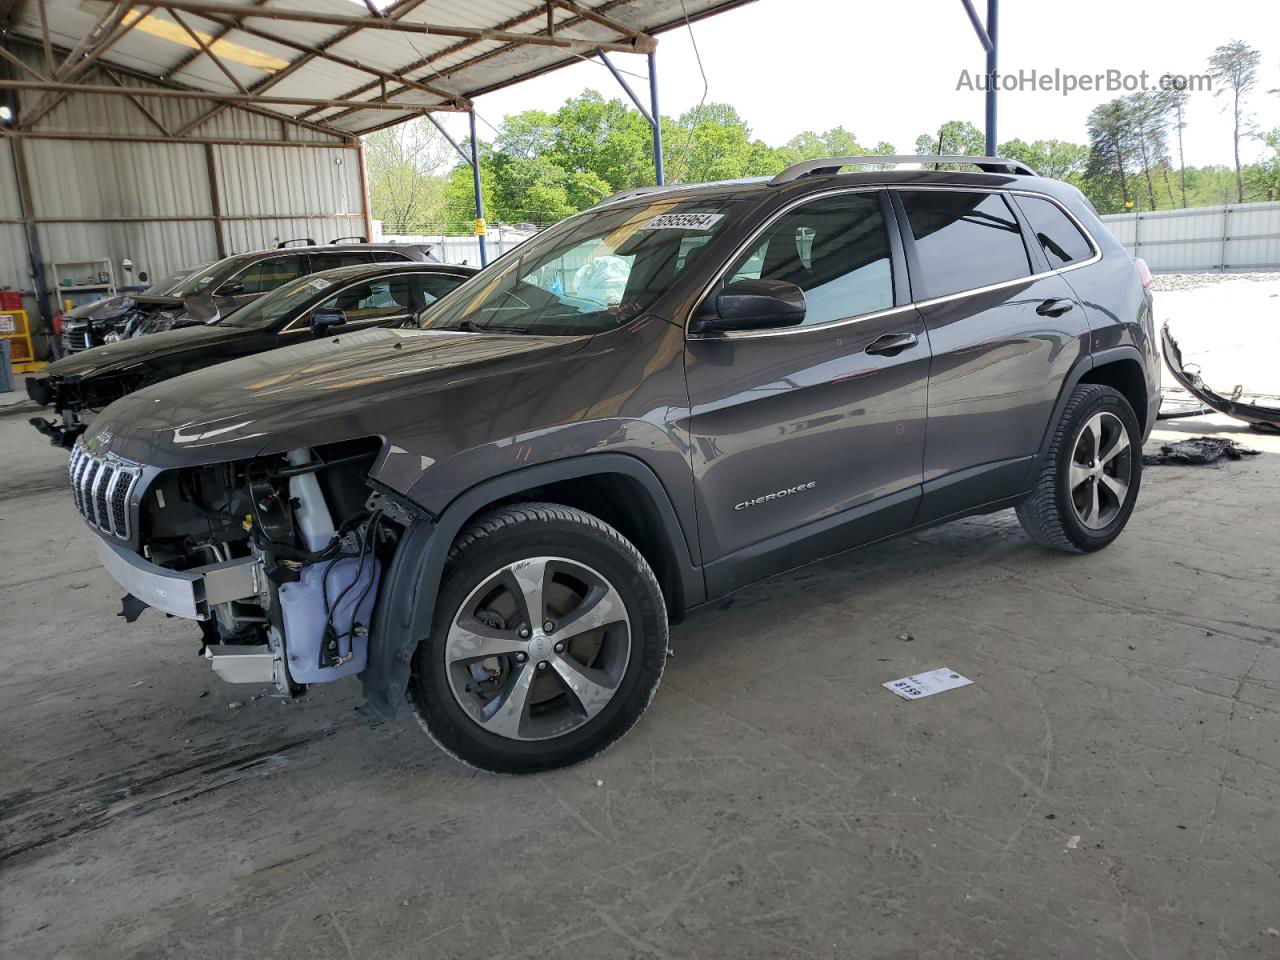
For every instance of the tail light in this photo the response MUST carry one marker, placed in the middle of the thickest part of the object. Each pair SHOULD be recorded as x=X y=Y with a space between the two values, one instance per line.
x=1144 y=272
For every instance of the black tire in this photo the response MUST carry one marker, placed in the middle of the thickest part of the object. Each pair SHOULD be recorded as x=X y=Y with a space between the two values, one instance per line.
x=509 y=535
x=1047 y=514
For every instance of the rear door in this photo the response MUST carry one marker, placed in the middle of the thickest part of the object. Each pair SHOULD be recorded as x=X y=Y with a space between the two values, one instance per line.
x=1005 y=330
x=806 y=440
x=259 y=278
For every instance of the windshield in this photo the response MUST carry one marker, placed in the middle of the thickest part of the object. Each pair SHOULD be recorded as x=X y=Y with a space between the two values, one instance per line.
x=592 y=273
x=199 y=279
x=172 y=282
x=268 y=310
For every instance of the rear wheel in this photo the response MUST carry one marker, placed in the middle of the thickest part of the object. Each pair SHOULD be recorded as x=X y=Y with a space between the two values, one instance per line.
x=1089 y=481
x=548 y=642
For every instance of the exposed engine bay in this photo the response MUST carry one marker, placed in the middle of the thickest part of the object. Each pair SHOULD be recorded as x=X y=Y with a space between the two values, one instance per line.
x=316 y=540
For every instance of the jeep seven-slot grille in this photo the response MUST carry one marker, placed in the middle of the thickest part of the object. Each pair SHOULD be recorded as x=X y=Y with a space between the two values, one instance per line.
x=101 y=487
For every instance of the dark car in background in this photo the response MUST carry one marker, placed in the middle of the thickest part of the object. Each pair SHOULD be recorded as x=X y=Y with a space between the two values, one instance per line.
x=332 y=301
x=204 y=295
x=93 y=324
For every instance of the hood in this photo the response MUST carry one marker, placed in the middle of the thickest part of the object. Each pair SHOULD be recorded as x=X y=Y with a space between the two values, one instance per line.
x=114 y=357
x=108 y=308
x=317 y=392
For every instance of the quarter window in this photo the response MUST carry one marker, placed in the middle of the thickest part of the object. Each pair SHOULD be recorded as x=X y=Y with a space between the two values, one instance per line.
x=330 y=261
x=964 y=240
x=1061 y=239
x=834 y=249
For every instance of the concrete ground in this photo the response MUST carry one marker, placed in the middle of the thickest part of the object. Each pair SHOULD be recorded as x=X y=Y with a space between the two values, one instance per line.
x=1109 y=786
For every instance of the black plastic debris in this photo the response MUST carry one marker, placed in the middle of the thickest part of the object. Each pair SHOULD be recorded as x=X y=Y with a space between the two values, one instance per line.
x=1197 y=451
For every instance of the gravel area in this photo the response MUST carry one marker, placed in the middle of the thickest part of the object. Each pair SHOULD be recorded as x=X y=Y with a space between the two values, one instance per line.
x=1190 y=281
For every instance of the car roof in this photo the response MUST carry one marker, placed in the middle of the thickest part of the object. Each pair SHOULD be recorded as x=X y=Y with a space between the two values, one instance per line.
x=361 y=271
x=828 y=174
x=241 y=259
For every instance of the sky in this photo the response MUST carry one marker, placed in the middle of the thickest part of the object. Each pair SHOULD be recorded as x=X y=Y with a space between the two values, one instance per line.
x=890 y=71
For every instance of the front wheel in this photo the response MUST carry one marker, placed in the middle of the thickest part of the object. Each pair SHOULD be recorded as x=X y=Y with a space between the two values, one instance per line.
x=1088 y=483
x=548 y=641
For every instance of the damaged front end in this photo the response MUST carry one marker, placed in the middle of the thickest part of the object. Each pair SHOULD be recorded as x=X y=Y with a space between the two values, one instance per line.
x=1258 y=416
x=278 y=558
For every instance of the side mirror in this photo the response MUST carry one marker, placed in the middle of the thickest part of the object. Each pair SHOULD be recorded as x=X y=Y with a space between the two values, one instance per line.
x=324 y=319
x=754 y=305
x=231 y=289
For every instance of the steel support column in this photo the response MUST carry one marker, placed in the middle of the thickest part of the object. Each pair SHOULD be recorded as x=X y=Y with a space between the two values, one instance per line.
x=993 y=16
x=651 y=116
x=23 y=182
x=656 y=121
x=475 y=181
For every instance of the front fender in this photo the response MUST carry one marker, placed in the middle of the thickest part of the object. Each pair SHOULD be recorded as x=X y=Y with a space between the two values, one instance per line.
x=406 y=600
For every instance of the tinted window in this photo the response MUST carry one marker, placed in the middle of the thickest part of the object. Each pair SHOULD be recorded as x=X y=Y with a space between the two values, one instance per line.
x=433 y=286
x=1061 y=239
x=268 y=274
x=372 y=300
x=389 y=256
x=964 y=240
x=834 y=249
x=328 y=261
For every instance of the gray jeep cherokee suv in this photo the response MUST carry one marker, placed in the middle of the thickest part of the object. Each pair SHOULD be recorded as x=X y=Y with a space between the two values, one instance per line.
x=644 y=408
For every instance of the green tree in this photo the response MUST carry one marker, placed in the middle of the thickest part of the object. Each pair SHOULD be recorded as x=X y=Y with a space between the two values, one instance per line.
x=1058 y=159
x=1234 y=67
x=403 y=165
x=1110 y=159
x=1174 y=100
x=955 y=137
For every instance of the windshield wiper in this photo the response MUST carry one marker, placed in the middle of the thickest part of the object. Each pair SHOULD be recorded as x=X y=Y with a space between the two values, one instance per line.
x=470 y=326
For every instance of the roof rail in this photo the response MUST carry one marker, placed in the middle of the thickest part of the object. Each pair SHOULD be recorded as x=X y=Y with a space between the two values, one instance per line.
x=305 y=241
x=827 y=165
x=357 y=238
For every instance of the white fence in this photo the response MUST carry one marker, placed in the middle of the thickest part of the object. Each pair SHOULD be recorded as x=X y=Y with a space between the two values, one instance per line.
x=465 y=248
x=1234 y=238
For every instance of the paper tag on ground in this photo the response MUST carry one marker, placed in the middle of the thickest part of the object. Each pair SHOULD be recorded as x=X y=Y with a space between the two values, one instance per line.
x=684 y=221
x=927 y=684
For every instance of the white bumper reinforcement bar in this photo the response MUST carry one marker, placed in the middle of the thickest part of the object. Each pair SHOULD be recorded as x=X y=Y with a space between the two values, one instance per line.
x=183 y=593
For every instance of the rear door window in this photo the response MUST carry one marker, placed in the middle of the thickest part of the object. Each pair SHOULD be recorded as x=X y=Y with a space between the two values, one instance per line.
x=1062 y=241
x=835 y=249
x=964 y=240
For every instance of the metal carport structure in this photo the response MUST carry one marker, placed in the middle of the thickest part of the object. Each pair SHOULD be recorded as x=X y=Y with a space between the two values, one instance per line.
x=218 y=126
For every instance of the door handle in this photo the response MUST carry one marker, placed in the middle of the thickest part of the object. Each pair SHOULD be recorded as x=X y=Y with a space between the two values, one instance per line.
x=1054 y=308
x=891 y=344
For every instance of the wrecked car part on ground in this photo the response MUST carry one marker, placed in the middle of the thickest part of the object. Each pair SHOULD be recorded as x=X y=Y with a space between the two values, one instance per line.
x=1255 y=414
x=1198 y=451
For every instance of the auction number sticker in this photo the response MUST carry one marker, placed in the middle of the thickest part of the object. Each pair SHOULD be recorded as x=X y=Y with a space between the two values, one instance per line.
x=684 y=221
x=927 y=684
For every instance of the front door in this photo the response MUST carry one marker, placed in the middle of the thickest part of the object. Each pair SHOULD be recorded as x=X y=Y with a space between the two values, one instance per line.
x=807 y=440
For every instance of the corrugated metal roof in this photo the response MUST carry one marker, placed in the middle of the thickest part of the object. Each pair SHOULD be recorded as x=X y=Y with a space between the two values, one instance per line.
x=157 y=44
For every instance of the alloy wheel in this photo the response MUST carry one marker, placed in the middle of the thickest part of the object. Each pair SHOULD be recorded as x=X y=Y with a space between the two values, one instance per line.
x=1100 y=471
x=538 y=648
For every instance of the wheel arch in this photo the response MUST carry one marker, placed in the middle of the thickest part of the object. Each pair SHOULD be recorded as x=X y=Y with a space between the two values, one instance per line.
x=1122 y=364
x=611 y=483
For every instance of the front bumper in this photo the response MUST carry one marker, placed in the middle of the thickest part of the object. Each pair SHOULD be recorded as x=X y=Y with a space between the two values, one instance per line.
x=182 y=593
